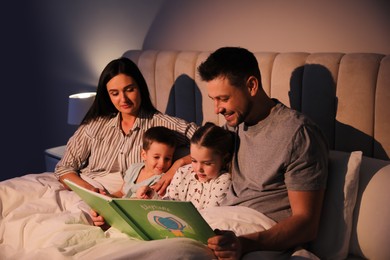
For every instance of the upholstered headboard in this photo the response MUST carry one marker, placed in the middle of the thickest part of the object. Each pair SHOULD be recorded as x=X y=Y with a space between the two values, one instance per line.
x=347 y=95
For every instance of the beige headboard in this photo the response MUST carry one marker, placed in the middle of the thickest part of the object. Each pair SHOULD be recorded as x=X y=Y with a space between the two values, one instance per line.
x=347 y=95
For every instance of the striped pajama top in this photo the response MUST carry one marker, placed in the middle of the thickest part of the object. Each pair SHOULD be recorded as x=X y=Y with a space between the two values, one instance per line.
x=104 y=148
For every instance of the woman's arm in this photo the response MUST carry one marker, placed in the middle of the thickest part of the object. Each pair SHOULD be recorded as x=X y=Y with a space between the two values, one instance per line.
x=72 y=176
x=76 y=153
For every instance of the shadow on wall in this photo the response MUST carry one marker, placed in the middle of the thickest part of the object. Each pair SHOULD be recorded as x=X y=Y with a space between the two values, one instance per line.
x=185 y=100
x=313 y=92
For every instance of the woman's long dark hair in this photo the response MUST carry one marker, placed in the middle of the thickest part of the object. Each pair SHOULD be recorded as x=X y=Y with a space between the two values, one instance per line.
x=102 y=105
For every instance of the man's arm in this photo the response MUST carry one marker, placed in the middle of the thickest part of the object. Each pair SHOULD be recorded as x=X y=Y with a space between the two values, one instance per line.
x=301 y=227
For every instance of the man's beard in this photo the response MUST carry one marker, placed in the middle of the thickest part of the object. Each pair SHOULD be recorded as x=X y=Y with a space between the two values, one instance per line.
x=240 y=117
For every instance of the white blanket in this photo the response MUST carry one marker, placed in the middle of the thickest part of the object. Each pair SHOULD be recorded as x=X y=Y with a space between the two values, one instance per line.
x=41 y=220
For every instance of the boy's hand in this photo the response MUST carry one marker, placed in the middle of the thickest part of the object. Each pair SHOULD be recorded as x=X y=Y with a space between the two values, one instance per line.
x=145 y=192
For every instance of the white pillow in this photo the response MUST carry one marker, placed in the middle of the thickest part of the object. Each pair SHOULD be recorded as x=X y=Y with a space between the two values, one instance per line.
x=240 y=219
x=244 y=220
x=373 y=234
x=334 y=235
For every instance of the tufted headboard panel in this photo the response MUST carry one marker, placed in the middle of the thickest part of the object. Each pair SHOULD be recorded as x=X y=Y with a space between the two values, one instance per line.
x=347 y=95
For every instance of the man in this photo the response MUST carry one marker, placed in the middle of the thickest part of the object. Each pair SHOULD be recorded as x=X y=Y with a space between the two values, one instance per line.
x=280 y=164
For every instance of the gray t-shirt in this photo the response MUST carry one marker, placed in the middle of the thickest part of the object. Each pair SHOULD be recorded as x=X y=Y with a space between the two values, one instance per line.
x=285 y=151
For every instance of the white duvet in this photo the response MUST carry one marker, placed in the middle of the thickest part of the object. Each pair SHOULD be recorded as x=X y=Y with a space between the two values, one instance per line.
x=39 y=219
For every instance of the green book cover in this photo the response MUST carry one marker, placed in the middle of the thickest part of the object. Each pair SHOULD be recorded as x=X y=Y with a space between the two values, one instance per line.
x=161 y=219
x=148 y=219
x=105 y=207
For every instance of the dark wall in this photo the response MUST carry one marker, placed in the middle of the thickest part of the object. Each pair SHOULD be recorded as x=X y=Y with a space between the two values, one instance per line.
x=50 y=50
x=23 y=97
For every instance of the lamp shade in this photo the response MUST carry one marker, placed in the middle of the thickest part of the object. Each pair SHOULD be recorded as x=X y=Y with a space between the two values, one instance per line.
x=78 y=106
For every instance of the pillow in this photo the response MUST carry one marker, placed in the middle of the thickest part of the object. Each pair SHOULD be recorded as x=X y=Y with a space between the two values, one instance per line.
x=372 y=229
x=244 y=220
x=240 y=219
x=334 y=234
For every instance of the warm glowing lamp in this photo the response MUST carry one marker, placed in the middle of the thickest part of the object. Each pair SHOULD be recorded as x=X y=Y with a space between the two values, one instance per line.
x=78 y=106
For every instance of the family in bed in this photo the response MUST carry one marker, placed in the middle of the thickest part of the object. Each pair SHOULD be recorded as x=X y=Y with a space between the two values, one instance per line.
x=266 y=157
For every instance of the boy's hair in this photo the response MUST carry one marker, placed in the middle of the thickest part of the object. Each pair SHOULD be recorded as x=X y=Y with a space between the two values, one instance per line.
x=220 y=140
x=159 y=134
x=234 y=63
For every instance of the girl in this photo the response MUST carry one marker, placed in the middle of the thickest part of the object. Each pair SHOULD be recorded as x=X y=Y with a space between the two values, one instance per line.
x=206 y=180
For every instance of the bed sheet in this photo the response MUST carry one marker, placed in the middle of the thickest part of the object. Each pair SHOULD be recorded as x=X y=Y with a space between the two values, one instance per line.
x=40 y=219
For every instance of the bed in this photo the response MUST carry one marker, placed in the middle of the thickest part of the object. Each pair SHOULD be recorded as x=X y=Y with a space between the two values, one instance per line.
x=346 y=94
x=42 y=220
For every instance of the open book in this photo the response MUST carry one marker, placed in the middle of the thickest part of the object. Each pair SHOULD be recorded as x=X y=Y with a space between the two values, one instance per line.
x=148 y=219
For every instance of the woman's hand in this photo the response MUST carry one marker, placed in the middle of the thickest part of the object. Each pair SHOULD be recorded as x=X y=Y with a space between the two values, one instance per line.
x=98 y=220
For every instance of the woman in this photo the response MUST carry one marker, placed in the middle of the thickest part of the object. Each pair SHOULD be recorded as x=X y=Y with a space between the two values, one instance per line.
x=109 y=139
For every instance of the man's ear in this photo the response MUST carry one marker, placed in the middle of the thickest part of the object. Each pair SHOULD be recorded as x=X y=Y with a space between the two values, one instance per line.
x=253 y=85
